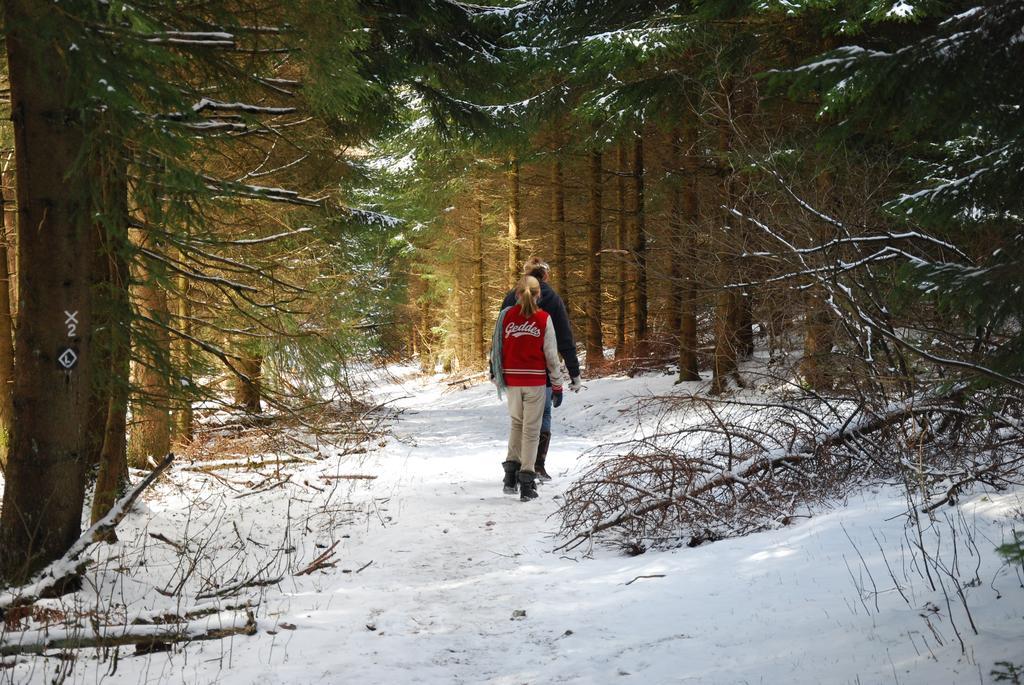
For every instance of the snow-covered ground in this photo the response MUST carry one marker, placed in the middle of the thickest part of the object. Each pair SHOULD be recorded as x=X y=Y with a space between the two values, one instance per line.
x=839 y=597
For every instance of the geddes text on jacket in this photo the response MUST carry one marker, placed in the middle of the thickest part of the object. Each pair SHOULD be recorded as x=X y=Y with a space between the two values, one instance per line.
x=514 y=330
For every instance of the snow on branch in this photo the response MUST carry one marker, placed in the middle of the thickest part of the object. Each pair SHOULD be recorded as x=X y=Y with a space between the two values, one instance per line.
x=207 y=104
x=141 y=634
x=206 y=39
x=68 y=566
x=844 y=56
x=262 y=192
x=368 y=217
x=217 y=125
x=254 y=241
x=850 y=238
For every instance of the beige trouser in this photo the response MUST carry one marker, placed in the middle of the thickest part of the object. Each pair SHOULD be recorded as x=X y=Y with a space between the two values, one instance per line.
x=526 y=407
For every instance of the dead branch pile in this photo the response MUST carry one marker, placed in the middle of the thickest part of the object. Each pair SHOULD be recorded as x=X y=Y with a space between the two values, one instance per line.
x=737 y=466
x=330 y=429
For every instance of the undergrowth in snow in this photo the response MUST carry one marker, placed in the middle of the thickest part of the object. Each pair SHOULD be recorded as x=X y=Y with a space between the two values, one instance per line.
x=431 y=575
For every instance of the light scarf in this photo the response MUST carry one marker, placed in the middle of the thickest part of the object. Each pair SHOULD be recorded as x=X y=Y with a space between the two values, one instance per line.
x=497 y=372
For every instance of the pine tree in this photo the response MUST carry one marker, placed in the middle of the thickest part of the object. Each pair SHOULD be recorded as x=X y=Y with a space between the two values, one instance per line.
x=173 y=85
x=45 y=474
x=938 y=88
x=595 y=225
x=7 y=258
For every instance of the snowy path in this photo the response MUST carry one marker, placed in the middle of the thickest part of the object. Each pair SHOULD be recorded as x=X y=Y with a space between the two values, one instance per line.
x=458 y=557
x=453 y=558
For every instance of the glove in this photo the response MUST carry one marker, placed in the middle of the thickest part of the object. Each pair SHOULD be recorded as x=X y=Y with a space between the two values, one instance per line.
x=556 y=396
x=576 y=384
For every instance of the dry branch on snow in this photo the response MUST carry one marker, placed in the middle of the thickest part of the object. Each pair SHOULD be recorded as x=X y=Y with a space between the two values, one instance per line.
x=740 y=465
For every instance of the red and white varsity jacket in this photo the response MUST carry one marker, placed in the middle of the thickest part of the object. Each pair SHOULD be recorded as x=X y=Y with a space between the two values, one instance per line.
x=529 y=349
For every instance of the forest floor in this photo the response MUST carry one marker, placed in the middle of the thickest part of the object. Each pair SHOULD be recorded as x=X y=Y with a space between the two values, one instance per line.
x=433 y=562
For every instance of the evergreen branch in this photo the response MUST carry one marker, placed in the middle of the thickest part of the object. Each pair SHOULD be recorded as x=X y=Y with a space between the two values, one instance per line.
x=252 y=241
x=262 y=192
x=238 y=267
x=189 y=273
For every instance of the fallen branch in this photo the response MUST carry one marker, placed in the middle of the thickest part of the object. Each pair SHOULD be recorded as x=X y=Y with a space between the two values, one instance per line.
x=350 y=476
x=467 y=379
x=231 y=485
x=721 y=479
x=727 y=470
x=145 y=637
x=267 y=488
x=985 y=475
x=234 y=589
x=322 y=561
x=163 y=538
x=191 y=615
x=247 y=464
x=62 y=570
x=652 y=575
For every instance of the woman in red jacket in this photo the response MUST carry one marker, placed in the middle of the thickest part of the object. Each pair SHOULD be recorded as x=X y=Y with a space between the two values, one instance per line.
x=529 y=354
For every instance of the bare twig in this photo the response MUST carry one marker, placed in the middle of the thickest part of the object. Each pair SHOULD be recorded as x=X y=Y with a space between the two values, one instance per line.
x=651 y=575
x=62 y=570
x=321 y=562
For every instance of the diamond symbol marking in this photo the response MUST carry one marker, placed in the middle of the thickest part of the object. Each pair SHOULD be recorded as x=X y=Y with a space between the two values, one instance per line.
x=68 y=359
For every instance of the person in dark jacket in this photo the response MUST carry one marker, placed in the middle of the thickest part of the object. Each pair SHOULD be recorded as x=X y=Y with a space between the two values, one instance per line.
x=525 y=344
x=551 y=303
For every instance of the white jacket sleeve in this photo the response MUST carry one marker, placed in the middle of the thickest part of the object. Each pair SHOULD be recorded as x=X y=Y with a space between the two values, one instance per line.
x=551 y=355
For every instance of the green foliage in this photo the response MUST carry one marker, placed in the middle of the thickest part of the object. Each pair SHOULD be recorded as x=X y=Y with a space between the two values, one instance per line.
x=1013 y=551
x=237 y=188
x=1007 y=672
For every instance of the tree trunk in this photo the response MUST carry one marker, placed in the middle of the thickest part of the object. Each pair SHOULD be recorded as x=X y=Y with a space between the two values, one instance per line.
x=112 y=475
x=622 y=244
x=727 y=322
x=248 y=390
x=515 y=261
x=728 y=305
x=45 y=477
x=7 y=230
x=479 y=332
x=560 y=267
x=746 y=102
x=819 y=335
x=640 y=342
x=151 y=430
x=11 y=222
x=181 y=350
x=595 y=344
x=818 y=339
x=102 y=341
x=684 y=277
x=745 y=334
x=462 y=308
x=688 y=367
x=677 y=237
x=112 y=314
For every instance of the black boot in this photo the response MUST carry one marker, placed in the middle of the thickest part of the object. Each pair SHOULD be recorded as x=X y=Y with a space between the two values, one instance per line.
x=527 y=485
x=509 y=485
x=542 y=455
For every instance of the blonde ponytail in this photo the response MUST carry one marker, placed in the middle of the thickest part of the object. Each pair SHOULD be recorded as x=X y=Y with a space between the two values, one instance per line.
x=527 y=294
